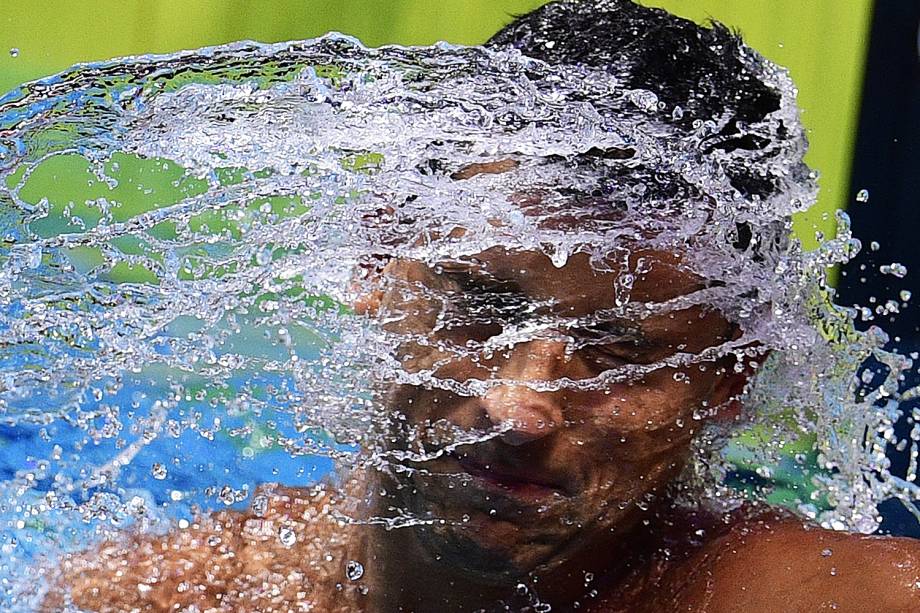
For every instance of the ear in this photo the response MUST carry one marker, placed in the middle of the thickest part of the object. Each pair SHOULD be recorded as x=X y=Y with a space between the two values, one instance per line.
x=728 y=390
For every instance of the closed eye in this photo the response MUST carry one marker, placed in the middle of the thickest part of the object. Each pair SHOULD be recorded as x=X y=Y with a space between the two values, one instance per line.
x=612 y=345
x=486 y=299
x=478 y=306
x=604 y=333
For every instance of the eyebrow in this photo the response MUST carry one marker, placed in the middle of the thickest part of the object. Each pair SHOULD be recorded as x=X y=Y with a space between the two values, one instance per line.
x=473 y=280
x=478 y=282
x=619 y=329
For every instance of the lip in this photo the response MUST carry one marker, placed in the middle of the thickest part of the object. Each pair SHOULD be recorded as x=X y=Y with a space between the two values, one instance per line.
x=517 y=483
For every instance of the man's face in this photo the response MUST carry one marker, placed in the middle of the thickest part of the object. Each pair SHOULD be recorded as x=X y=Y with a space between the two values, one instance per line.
x=565 y=465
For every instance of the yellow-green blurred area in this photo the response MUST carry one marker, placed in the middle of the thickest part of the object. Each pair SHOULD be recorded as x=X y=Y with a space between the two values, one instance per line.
x=822 y=42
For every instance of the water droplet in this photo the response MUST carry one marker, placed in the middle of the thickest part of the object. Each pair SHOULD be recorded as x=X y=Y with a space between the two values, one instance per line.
x=158 y=471
x=287 y=537
x=264 y=256
x=644 y=99
x=894 y=269
x=862 y=195
x=354 y=570
x=259 y=505
x=227 y=495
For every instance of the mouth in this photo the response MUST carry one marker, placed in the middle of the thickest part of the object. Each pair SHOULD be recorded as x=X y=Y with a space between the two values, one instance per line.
x=517 y=483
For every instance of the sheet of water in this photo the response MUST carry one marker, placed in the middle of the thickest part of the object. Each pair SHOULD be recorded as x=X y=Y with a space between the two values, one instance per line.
x=183 y=239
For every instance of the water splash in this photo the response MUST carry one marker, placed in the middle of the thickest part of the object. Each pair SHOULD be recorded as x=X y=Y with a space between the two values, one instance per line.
x=185 y=238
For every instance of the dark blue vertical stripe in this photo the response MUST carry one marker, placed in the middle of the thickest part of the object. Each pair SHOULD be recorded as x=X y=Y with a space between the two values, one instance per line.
x=887 y=164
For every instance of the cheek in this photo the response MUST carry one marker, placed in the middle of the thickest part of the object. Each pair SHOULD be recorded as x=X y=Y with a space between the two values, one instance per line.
x=641 y=429
x=626 y=460
x=663 y=398
x=411 y=407
x=414 y=404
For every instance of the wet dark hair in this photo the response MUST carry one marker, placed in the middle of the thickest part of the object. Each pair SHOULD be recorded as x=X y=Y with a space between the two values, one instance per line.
x=707 y=71
x=700 y=69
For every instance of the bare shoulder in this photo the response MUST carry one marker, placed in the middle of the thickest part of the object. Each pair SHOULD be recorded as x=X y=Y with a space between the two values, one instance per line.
x=285 y=549
x=776 y=562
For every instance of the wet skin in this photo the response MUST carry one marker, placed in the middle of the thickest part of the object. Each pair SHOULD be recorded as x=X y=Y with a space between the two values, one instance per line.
x=576 y=487
x=570 y=467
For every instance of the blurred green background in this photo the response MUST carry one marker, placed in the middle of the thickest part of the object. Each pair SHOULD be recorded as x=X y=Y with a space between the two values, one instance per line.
x=822 y=42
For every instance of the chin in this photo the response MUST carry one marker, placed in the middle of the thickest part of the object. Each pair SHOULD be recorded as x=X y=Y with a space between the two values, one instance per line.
x=493 y=548
x=459 y=549
x=492 y=552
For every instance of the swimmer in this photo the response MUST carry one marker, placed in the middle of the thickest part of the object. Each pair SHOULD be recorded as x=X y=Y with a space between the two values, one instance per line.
x=572 y=504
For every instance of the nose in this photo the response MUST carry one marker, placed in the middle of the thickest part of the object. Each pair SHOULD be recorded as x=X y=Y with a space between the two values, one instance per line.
x=529 y=414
